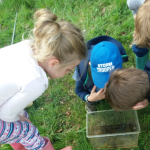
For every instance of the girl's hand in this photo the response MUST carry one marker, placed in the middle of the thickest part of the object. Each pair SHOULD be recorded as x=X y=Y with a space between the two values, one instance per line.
x=67 y=148
x=23 y=118
x=96 y=96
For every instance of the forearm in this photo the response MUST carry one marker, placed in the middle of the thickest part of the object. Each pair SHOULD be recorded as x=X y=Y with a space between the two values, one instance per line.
x=9 y=111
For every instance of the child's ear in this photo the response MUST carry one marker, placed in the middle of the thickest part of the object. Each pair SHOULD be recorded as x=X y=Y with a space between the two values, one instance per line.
x=141 y=105
x=89 y=63
x=53 y=62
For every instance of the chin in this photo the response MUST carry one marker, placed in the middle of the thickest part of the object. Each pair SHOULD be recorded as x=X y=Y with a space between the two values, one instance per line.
x=52 y=76
x=55 y=77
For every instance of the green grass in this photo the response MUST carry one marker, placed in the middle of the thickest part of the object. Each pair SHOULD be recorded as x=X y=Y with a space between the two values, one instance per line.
x=59 y=113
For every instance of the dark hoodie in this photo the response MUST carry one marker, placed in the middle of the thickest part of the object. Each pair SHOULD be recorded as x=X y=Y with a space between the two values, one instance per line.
x=84 y=82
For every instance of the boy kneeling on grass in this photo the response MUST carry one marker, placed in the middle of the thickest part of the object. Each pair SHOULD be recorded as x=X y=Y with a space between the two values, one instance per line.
x=104 y=55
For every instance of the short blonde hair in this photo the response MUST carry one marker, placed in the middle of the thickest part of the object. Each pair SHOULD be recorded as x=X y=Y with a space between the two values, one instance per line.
x=127 y=87
x=60 y=39
x=142 y=26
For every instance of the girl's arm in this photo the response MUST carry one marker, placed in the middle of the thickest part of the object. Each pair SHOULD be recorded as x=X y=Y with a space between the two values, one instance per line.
x=21 y=97
x=7 y=90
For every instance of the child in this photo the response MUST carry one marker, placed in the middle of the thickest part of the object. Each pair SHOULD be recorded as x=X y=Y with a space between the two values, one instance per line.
x=142 y=29
x=129 y=88
x=55 y=49
x=141 y=53
x=102 y=50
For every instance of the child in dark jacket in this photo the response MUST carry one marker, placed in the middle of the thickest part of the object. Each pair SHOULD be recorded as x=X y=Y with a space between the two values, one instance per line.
x=105 y=54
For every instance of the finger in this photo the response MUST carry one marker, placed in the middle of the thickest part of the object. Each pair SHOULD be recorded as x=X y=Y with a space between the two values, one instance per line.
x=23 y=118
x=103 y=92
x=103 y=96
x=100 y=91
x=28 y=120
x=93 y=90
x=104 y=89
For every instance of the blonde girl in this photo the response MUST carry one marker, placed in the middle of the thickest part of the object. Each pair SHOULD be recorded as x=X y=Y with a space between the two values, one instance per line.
x=54 y=49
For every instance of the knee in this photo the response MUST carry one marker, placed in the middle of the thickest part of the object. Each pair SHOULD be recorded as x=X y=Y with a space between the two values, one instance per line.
x=131 y=4
x=134 y=4
x=28 y=130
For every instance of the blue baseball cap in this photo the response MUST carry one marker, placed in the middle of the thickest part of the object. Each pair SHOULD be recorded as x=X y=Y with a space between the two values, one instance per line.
x=105 y=57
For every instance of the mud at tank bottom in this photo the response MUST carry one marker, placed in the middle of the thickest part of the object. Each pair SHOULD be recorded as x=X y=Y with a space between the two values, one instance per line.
x=116 y=141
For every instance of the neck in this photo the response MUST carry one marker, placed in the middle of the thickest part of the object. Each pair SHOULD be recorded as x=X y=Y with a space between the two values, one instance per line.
x=42 y=65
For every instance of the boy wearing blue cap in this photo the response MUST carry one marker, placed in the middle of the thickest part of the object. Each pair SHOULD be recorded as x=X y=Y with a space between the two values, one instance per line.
x=105 y=54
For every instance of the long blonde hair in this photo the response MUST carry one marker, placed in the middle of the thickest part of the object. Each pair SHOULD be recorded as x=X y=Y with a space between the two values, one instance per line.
x=59 y=39
x=142 y=26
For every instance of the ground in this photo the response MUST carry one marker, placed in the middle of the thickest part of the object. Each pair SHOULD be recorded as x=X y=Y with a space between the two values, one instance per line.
x=59 y=113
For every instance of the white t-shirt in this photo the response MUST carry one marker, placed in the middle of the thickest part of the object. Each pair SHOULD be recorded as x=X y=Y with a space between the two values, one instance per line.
x=22 y=80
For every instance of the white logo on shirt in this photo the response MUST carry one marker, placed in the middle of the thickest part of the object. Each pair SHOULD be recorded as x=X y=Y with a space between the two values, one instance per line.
x=105 y=67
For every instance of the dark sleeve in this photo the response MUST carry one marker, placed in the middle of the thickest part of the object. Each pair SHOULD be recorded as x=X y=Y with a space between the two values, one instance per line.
x=139 y=52
x=81 y=73
x=80 y=91
x=147 y=69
